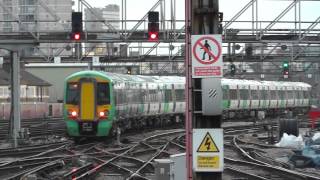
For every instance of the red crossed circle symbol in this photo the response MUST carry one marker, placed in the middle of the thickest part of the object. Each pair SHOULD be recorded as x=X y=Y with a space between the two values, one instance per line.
x=199 y=44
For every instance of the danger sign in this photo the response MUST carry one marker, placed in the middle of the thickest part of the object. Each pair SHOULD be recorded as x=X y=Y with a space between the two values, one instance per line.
x=207 y=150
x=206 y=56
x=208 y=145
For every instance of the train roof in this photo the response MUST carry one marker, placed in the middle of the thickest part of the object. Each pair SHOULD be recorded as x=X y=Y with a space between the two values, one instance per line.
x=264 y=83
x=131 y=78
x=181 y=80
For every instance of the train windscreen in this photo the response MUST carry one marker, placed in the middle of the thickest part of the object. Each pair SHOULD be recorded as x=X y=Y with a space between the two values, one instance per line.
x=103 y=94
x=72 y=94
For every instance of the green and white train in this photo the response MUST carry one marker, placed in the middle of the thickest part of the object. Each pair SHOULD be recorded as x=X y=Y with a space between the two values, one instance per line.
x=96 y=103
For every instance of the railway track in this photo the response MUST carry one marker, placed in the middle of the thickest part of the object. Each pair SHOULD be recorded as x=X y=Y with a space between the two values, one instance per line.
x=250 y=158
x=37 y=127
x=133 y=159
x=97 y=160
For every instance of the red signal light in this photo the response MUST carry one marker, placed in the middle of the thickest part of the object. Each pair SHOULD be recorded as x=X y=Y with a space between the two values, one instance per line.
x=153 y=31
x=76 y=36
x=153 y=36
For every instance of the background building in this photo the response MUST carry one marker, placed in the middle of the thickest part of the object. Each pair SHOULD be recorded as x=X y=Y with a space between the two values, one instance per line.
x=111 y=14
x=37 y=16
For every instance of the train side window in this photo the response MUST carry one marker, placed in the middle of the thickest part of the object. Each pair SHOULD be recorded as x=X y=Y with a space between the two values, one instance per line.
x=225 y=93
x=72 y=93
x=180 y=95
x=264 y=94
x=297 y=94
x=233 y=94
x=167 y=95
x=281 y=94
x=244 y=94
x=103 y=93
x=254 y=94
x=153 y=95
x=300 y=94
x=1 y=92
x=305 y=94
x=6 y=92
x=290 y=95
x=273 y=94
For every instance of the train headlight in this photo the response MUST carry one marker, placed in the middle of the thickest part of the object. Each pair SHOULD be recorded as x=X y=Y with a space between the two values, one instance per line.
x=103 y=114
x=73 y=114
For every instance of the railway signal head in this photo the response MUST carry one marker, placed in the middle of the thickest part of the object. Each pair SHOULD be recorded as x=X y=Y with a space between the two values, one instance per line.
x=153 y=32
x=232 y=69
x=76 y=31
x=128 y=70
x=153 y=26
x=285 y=69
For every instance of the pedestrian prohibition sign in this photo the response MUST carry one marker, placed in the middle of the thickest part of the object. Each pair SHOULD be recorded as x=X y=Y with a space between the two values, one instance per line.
x=206 y=56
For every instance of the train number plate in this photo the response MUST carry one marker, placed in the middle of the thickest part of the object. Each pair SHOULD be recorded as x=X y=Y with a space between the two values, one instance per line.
x=87 y=127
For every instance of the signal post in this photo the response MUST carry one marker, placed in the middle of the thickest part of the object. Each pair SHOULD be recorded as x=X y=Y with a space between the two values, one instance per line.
x=203 y=90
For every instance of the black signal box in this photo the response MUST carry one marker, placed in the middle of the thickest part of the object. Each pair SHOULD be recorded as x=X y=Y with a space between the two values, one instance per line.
x=153 y=16
x=76 y=22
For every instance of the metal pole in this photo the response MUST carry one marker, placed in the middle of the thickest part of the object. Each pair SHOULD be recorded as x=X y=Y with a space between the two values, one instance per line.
x=252 y=17
x=188 y=97
x=122 y=21
x=15 y=100
x=257 y=17
x=205 y=20
x=299 y=18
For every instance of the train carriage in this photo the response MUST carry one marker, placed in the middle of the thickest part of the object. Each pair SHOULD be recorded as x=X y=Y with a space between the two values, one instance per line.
x=96 y=103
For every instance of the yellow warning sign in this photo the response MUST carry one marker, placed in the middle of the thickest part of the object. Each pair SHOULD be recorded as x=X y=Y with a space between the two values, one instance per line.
x=208 y=162
x=207 y=144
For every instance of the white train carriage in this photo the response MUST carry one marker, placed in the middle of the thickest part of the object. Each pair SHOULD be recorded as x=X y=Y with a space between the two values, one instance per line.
x=231 y=93
x=179 y=96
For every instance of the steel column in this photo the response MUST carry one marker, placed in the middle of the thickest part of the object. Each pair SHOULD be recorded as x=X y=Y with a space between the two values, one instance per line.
x=202 y=17
x=15 y=92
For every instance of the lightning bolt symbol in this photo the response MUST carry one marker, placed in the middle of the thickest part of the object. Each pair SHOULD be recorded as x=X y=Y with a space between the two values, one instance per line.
x=207 y=143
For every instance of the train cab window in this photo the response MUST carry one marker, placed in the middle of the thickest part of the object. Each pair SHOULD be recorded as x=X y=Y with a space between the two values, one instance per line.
x=103 y=94
x=305 y=94
x=233 y=94
x=244 y=94
x=254 y=94
x=72 y=94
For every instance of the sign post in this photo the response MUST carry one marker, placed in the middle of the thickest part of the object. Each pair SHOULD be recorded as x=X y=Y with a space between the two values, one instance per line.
x=206 y=56
x=204 y=136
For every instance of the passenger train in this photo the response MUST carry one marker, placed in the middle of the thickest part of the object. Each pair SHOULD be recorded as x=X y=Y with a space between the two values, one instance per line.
x=97 y=103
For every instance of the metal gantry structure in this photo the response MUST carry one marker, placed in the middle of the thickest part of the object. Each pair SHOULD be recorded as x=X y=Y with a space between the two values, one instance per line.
x=257 y=46
x=261 y=41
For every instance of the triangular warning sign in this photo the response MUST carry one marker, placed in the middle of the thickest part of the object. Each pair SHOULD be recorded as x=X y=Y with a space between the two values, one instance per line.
x=207 y=144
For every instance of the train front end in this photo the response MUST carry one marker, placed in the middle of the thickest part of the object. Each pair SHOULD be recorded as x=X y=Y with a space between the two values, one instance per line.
x=88 y=109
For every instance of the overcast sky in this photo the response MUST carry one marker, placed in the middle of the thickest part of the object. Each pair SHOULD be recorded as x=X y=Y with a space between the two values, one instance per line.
x=268 y=9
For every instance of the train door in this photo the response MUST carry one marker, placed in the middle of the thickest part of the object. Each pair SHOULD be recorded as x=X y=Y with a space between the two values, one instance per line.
x=87 y=100
x=160 y=97
x=147 y=100
x=173 y=99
